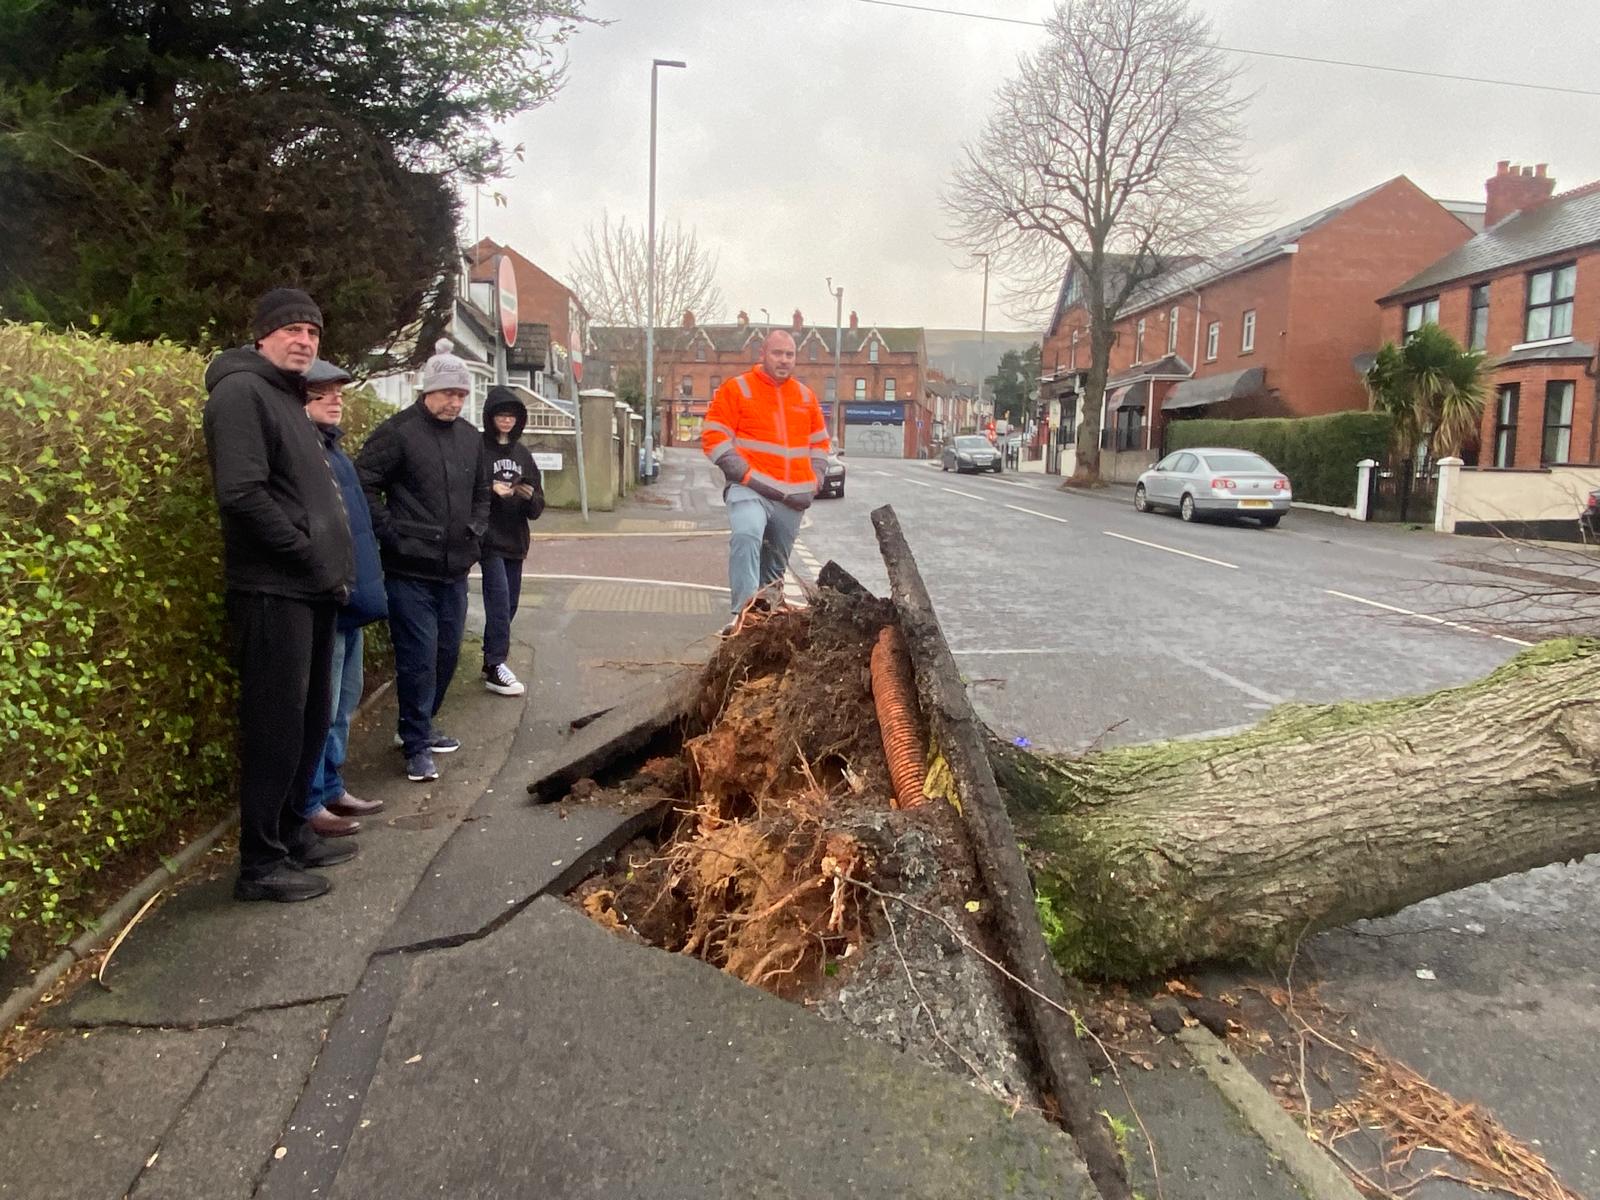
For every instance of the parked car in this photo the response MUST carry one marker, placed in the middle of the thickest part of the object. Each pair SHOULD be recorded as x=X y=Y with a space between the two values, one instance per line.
x=971 y=452
x=1589 y=519
x=833 y=480
x=1208 y=481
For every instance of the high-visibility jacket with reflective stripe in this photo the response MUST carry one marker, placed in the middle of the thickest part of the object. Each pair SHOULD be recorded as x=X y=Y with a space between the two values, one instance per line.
x=774 y=431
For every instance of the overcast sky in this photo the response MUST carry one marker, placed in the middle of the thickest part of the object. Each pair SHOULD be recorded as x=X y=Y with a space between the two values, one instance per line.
x=811 y=138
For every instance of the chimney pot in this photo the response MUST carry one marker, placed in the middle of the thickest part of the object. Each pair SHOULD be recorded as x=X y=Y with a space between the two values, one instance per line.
x=799 y=321
x=855 y=322
x=1515 y=189
x=744 y=317
x=688 y=318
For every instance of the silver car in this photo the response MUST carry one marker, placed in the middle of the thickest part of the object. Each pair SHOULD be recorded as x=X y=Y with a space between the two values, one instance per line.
x=970 y=452
x=1208 y=481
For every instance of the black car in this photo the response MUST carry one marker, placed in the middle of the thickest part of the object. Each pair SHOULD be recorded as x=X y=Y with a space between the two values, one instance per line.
x=833 y=481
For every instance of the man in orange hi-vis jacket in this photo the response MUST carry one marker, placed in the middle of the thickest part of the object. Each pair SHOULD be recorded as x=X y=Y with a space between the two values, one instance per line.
x=765 y=431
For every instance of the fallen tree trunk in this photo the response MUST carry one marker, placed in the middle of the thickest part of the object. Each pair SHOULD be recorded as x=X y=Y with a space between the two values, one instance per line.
x=1149 y=857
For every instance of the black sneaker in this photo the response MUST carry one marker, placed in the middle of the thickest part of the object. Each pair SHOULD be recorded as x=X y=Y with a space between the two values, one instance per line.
x=443 y=743
x=322 y=854
x=285 y=884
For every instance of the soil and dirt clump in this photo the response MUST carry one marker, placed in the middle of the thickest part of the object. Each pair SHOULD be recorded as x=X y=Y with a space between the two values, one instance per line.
x=785 y=863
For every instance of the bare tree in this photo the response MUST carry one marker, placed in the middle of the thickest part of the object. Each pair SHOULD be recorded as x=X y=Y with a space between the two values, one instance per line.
x=1113 y=152
x=610 y=271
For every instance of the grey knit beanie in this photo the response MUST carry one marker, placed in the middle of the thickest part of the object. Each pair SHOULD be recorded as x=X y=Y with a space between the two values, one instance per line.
x=444 y=370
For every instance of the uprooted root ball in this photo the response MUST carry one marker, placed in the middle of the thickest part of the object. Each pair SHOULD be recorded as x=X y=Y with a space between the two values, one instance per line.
x=754 y=876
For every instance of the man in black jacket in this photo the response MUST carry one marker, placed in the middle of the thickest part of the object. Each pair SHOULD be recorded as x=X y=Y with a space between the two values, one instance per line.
x=289 y=563
x=518 y=498
x=426 y=478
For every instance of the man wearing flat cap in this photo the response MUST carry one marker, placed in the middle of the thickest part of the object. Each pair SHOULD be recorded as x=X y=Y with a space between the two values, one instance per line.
x=288 y=562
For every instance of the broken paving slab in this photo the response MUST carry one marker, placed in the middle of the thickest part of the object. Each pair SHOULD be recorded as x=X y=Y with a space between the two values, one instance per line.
x=555 y=1059
x=509 y=850
x=227 y=1130
x=82 y=1118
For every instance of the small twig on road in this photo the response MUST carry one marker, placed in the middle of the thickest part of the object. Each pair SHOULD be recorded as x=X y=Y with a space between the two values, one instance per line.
x=100 y=974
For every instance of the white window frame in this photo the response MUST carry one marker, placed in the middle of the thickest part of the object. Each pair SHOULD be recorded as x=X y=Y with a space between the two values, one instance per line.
x=872 y=350
x=1247 y=333
x=1424 y=311
x=1213 y=340
x=1138 y=341
x=888 y=390
x=1172 y=330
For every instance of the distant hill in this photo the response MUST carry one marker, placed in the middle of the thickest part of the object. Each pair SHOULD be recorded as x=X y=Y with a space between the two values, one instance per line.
x=964 y=354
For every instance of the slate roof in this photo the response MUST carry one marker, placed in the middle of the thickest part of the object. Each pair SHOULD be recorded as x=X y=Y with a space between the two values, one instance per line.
x=1247 y=254
x=1561 y=223
x=1170 y=364
x=729 y=339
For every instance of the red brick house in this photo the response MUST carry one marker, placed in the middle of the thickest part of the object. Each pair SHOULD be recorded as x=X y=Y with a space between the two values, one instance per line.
x=542 y=300
x=1271 y=327
x=888 y=407
x=1525 y=291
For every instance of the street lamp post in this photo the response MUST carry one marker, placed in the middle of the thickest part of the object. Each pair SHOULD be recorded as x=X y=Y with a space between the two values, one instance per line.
x=983 y=336
x=838 y=337
x=766 y=320
x=650 y=288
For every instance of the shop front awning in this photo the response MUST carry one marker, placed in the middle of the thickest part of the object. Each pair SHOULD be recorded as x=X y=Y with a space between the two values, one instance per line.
x=1129 y=395
x=1214 y=389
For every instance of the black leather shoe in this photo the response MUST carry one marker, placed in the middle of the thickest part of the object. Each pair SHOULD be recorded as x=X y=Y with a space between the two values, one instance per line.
x=284 y=884
x=321 y=854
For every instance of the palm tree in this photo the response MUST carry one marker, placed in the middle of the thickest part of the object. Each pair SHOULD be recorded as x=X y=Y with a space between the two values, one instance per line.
x=1432 y=387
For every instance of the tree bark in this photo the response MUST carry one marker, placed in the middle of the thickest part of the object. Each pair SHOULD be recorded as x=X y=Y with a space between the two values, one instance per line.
x=1150 y=857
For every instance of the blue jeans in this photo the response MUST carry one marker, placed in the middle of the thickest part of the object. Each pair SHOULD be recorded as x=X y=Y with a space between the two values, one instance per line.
x=349 y=674
x=502 y=587
x=758 y=550
x=426 y=620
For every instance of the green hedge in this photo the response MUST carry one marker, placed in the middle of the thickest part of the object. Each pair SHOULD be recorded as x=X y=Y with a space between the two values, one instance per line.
x=1318 y=454
x=116 y=699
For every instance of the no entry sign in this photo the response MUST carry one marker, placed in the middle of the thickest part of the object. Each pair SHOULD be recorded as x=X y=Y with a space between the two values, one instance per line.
x=507 y=294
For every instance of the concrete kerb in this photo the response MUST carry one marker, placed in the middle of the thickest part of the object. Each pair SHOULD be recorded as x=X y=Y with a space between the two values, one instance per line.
x=1317 y=1173
x=111 y=922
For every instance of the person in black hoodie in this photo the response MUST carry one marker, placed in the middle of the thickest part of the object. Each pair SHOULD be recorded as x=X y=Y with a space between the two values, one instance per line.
x=288 y=564
x=518 y=498
x=331 y=810
x=426 y=478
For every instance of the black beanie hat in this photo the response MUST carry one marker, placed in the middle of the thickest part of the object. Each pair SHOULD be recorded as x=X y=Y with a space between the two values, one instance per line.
x=284 y=306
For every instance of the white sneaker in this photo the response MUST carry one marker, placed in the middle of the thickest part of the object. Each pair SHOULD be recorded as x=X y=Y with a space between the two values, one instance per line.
x=502 y=682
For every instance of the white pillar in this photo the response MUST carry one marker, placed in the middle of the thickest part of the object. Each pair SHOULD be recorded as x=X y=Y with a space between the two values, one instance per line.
x=1444 y=520
x=1364 y=470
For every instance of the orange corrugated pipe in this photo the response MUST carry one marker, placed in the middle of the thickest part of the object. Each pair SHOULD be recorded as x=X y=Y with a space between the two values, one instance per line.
x=894 y=695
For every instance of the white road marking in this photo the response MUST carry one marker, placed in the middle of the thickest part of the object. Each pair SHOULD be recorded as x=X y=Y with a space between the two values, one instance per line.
x=1232 y=681
x=1027 y=487
x=1035 y=513
x=989 y=651
x=958 y=492
x=920 y=482
x=1428 y=617
x=1216 y=562
x=885 y=474
x=699 y=587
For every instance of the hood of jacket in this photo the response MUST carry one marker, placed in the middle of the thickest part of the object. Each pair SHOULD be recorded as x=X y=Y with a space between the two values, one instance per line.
x=246 y=360
x=503 y=400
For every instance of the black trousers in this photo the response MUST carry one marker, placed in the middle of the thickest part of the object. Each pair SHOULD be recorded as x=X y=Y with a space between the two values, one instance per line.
x=283 y=652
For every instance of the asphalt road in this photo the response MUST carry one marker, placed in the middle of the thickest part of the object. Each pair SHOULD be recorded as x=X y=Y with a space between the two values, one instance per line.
x=1079 y=621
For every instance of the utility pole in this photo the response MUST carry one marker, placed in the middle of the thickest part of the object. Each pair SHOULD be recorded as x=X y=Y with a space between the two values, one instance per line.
x=838 y=338
x=650 y=286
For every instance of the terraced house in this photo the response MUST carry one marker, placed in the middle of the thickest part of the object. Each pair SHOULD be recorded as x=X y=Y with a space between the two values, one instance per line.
x=1276 y=326
x=887 y=404
x=1526 y=292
